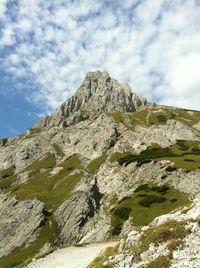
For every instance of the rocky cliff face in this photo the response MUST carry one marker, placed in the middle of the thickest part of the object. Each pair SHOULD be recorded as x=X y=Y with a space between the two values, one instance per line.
x=106 y=157
x=98 y=93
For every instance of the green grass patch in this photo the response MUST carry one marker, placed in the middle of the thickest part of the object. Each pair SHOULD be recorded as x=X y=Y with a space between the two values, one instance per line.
x=148 y=200
x=158 y=117
x=141 y=116
x=130 y=120
x=181 y=162
x=98 y=261
x=58 y=150
x=5 y=173
x=171 y=232
x=48 y=188
x=185 y=154
x=117 y=156
x=117 y=116
x=168 y=231
x=146 y=203
x=46 y=162
x=95 y=164
x=22 y=256
x=187 y=118
x=159 y=262
x=148 y=154
x=7 y=177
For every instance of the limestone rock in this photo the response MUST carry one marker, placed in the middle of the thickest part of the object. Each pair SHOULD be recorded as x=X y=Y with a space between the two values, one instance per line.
x=77 y=217
x=98 y=93
x=20 y=222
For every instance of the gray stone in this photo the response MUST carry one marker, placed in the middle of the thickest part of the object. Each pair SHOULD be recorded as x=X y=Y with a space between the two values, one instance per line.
x=20 y=222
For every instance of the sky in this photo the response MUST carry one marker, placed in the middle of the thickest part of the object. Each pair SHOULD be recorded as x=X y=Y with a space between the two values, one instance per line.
x=48 y=46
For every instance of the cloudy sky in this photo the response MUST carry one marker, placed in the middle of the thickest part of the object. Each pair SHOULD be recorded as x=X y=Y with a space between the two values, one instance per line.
x=47 y=47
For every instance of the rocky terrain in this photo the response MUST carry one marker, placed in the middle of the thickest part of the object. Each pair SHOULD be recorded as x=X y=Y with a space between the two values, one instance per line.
x=106 y=157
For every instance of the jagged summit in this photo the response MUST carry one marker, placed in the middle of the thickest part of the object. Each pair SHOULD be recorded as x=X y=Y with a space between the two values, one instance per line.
x=98 y=93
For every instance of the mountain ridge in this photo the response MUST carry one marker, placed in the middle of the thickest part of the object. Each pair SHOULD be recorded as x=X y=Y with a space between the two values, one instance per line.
x=120 y=165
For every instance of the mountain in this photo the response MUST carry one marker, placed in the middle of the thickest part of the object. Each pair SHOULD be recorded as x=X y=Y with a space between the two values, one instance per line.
x=105 y=158
x=98 y=93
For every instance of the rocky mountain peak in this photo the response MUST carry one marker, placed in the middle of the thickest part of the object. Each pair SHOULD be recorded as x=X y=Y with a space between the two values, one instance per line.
x=98 y=93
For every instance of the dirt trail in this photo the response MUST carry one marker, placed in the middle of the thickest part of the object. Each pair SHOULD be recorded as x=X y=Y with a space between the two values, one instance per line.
x=71 y=257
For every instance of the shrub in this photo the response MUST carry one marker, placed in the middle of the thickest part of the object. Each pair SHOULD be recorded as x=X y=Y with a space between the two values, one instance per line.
x=170 y=169
x=146 y=156
x=162 y=118
x=173 y=200
x=117 y=229
x=143 y=187
x=189 y=160
x=123 y=213
x=151 y=199
x=196 y=151
x=160 y=189
x=182 y=145
x=145 y=161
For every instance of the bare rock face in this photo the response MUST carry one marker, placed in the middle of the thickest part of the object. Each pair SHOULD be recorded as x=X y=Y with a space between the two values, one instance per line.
x=77 y=217
x=98 y=93
x=20 y=222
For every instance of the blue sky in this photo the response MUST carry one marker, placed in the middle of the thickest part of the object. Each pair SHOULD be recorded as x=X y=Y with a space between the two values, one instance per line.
x=47 y=47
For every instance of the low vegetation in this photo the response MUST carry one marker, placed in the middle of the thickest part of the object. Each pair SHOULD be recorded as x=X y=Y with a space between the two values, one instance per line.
x=95 y=164
x=58 y=150
x=48 y=161
x=98 y=261
x=166 y=232
x=160 y=262
x=48 y=188
x=145 y=204
x=147 y=155
x=155 y=116
x=171 y=232
x=7 y=177
x=185 y=154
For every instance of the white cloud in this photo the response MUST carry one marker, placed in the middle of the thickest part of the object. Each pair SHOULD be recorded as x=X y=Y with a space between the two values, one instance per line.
x=7 y=37
x=185 y=77
x=3 y=8
x=152 y=45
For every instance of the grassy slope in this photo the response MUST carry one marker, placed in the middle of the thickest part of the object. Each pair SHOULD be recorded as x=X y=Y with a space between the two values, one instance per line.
x=141 y=214
x=48 y=188
x=157 y=116
x=95 y=164
x=185 y=154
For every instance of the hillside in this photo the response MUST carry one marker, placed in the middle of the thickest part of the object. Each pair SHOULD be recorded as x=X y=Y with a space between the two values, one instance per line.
x=106 y=157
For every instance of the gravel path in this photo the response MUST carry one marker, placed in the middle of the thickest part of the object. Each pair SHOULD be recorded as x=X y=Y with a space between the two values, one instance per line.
x=71 y=257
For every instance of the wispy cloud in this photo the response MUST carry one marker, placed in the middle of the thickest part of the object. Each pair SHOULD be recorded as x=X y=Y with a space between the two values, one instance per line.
x=152 y=45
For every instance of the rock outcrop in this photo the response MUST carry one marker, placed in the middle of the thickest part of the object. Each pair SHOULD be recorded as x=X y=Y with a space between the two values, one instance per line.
x=20 y=222
x=78 y=216
x=98 y=93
